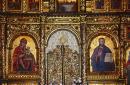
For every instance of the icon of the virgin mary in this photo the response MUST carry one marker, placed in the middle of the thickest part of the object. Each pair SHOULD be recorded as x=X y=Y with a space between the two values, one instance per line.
x=23 y=59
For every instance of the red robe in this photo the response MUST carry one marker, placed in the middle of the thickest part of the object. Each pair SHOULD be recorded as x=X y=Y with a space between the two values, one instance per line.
x=17 y=52
x=17 y=60
x=128 y=63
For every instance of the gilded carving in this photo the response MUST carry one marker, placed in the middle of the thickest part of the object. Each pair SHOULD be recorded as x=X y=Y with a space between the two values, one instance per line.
x=58 y=20
x=125 y=19
x=51 y=28
x=52 y=6
x=95 y=29
x=110 y=27
x=63 y=59
x=2 y=19
x=2 y=45
x=86 y=28
x=24 y=20
x=15 y=29
x=102 y=19
x=82 y=5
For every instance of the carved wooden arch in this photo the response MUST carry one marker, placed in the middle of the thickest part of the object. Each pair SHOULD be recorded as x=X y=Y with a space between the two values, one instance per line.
x=56 y=28
x=74 y=33
x=10 y=43
x=111 y=36
x=66 y=29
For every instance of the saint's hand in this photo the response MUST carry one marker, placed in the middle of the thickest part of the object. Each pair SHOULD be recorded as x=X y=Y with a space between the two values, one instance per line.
x=22 y=55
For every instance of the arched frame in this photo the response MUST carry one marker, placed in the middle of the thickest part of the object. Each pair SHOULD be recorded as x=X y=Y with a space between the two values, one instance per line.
x=56 y=28
x=9 y=71
x=64 y=27
x=98 y=75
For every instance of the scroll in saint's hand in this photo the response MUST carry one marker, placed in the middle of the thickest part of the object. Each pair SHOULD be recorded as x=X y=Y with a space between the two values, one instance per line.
x=108 y=58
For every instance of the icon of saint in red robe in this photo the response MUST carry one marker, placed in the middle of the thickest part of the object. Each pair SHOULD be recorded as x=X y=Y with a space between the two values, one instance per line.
x=23 y=59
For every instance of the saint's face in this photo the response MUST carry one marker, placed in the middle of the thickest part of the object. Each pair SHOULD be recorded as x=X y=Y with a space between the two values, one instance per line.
x=23 y=44
x=101 y=42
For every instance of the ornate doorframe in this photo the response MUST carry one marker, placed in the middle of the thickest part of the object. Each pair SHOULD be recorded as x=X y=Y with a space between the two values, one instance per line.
x=55 y=24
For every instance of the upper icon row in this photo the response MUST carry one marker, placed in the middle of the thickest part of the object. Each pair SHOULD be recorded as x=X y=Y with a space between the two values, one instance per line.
x=64 y=5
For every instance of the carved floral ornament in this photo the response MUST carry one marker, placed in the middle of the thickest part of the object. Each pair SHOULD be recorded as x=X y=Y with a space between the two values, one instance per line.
x=2 y=19
x=24 y=20
x=62 y=19
x=102 y=19
x=50 y=29
x=31 y=33
x=105 y=27
x=125 y=19
x=24 y=28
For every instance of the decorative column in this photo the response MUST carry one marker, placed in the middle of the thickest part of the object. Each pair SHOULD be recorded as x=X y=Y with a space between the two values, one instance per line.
x=52 y=6
x=81 y=5
x=83 y=58
x=42 y=51
x=4 y=5
x=2 y=47
x=25 y=7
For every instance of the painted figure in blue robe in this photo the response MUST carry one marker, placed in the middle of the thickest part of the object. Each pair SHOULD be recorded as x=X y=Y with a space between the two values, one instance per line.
x=116 y=4
x=99 y=4
x=101 y=59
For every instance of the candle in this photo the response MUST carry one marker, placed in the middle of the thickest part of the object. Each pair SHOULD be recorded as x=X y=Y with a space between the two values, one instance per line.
x=73 y=0
x=61 y=1
x=36 y=0
x=13 y=1
x=63 y=39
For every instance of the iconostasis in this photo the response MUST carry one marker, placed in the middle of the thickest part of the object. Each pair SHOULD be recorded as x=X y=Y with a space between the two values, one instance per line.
x=63 y=50
x=60 y=48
